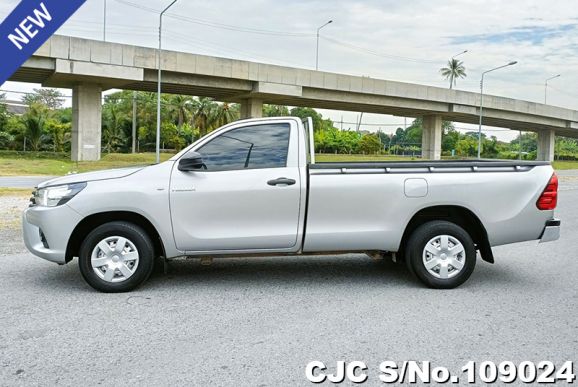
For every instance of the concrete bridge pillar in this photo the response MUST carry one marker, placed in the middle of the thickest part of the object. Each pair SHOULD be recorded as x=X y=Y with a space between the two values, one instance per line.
x=431 y=139
x=251 y=108
x=86 y=122
x=546 y=140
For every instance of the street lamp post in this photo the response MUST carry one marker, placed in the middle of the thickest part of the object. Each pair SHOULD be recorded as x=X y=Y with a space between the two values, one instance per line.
x=158 y=139
x=317 y=50
x=104 y=24
x=482 y=103
x=546 y=87
x=463 y=52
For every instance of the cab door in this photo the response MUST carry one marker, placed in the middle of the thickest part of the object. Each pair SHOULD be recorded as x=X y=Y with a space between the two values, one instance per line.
x=247 y=198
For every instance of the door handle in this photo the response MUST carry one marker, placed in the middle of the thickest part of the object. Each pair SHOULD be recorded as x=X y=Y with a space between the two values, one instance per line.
x=281 y=181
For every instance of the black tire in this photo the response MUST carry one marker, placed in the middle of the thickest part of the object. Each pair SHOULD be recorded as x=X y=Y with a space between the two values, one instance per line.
x=135 y=235
x=415 y=254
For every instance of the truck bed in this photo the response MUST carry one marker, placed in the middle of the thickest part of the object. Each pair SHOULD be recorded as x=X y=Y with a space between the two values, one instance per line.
x=377 y=200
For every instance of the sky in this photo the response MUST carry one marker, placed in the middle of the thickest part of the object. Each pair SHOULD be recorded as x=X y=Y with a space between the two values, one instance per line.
x=396 y=40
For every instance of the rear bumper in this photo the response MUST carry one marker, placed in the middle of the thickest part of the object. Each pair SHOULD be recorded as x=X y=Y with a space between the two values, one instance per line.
x=551 y=231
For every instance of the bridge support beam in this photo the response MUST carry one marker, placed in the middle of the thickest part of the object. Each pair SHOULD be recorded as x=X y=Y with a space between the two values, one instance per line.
x=251 y=108
x=431 y=139
x=546 y=140
x=86 y=122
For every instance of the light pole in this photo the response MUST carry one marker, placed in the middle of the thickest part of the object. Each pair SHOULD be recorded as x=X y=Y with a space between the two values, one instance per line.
x=463 y=52
x=133 y=121
x=546 y=87
x=317 y=50
x=482 y=103
x=104 y=25
x=158 y=139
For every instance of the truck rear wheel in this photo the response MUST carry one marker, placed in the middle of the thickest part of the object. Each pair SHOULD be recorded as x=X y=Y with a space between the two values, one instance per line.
x=116 y=257
x=441 y=254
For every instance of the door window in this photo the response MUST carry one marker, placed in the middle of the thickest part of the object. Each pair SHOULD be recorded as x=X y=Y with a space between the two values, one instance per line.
x=250 y=147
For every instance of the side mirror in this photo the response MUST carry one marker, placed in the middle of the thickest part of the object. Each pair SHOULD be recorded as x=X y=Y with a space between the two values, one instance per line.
x=192 y=161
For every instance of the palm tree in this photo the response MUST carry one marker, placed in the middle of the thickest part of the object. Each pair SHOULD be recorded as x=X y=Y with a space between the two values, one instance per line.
x=179 y=106
x=35 y=119
x=224 y=113
x=455 y=69
x=203 y=116
x=112 y=133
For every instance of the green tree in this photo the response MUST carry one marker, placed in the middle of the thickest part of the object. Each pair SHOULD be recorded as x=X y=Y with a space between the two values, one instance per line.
x=566 y=148
x=224 y=113
x=450 y=139
x=319 y=123
x=275 y=111
x=51 y=98
x=147 y=119
x=335 y=141
x=115 y=123
x=171 y=137
x=368 y=144
x=59 y=133
x=454 y=69
x=179 y=107
x=490 y=147
x=467 y=146
x=529 y=142
x=203 y=116
x=413 y=135
x=3 y=112
x=6 y=139
x=35 y=120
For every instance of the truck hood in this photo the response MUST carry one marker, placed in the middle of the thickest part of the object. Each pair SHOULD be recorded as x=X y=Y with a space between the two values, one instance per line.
x=91 y=176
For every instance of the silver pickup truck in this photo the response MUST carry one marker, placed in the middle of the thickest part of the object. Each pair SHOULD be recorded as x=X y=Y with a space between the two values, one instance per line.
x=253 y=188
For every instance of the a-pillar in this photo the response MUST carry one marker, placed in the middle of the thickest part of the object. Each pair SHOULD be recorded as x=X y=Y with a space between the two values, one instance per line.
x=431 y=139
x=86 y=122
x=251 y=108
x=546 y=140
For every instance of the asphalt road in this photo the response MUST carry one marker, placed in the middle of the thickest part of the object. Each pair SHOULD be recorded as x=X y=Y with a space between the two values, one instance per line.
x=22 y=181
x=258 y=322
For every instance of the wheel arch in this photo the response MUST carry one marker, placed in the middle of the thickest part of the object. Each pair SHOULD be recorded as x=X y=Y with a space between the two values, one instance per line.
x=92 y=221
x=459 y=215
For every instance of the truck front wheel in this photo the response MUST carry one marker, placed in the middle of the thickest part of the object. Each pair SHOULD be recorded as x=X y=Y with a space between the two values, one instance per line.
x=441 y=254
x=116 y=257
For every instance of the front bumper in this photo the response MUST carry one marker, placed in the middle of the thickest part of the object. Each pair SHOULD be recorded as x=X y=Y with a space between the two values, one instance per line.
x=47 y=230
x=551 y=231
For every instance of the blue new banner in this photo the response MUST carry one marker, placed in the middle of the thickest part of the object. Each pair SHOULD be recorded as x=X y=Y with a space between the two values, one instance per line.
x=28 y=27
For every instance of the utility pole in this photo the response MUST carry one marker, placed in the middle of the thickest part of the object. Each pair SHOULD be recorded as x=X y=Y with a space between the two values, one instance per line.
x=546 y=87
x=359 y=124
x=158 y=138
x=317 y=49
x=104 y=24
x=133 y=121
x=520 y=147
x=482 y=103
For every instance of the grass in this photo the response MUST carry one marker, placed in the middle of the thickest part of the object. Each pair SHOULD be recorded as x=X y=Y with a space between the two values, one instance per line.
x=560 y=165
x=32 y=164
x=15 y=191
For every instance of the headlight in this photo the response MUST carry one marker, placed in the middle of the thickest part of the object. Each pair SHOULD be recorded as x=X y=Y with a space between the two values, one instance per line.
x=57 y=195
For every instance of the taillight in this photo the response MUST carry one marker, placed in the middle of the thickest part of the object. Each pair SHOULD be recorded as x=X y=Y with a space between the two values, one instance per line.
x=549 y=197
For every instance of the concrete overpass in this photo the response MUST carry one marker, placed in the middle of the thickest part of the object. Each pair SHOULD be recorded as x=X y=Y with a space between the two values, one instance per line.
x=88 y=67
